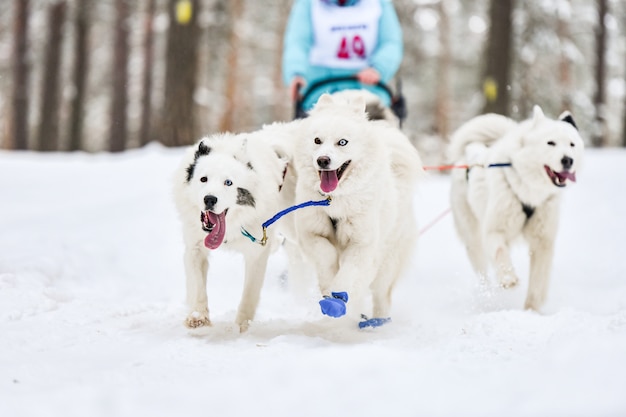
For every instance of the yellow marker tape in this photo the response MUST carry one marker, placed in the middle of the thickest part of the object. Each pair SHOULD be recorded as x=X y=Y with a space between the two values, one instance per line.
x=184 y=11
x=490 y=89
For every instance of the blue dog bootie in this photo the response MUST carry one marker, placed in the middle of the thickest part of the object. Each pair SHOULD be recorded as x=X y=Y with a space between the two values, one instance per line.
x=373 y=322
x=335 y=304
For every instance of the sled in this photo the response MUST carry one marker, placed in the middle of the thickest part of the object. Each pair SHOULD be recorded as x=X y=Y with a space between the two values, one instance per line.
x=398 y=103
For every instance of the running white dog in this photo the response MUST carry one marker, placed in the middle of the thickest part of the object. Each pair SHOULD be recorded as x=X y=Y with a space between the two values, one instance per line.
x=226 y=182
x=365 y=236
x=494 y=206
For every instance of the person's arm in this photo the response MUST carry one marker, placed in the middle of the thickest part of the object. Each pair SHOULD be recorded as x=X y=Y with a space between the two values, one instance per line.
x=298 y=41
x=369 y=75
x=387 y=57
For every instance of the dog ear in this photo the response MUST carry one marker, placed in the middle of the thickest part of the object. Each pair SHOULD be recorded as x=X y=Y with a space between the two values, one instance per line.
x=566 y=117
x=324 y=100
x=200 y=151
x=203 y=149
x=358 y=104
x=538 y=115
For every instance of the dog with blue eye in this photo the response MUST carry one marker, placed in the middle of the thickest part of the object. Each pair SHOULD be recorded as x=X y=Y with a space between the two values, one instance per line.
x=360 y=244
x=224 y=183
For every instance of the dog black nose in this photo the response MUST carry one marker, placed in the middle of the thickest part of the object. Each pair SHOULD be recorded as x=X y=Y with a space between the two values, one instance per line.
x=210 y=201
x=567 y=162
x=323 y=162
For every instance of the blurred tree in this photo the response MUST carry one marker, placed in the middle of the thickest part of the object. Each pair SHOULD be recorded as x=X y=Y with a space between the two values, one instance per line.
x=624 y=113
x=177 y=118
x=212 y=65
x=282 y=106
x=525 y=62
x=79 y=76
x=231 y=93
x=598 y=137
x=148 y=64
x=565 y=62
x=442 y=105
x=48 y=136
x=496 y=77
x=21 y=71
x=624 y=99
x=118 y=123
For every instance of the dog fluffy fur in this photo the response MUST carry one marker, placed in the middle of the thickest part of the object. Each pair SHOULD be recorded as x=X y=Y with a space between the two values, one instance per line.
x=361 y=242
x=493 y=207
x=226 y=182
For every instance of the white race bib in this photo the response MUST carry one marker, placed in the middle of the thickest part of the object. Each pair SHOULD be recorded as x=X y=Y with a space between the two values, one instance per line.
x=344 y=36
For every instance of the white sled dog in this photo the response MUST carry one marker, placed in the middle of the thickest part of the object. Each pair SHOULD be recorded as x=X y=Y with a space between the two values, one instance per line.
x=493 y=207
x=360 y=243
x=226 y=182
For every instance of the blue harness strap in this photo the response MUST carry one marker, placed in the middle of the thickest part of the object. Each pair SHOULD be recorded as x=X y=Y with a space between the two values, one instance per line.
x=280 y=214
x=288 y=210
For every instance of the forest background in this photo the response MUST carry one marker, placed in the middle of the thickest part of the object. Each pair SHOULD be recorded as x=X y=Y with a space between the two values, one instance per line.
x=111 y=75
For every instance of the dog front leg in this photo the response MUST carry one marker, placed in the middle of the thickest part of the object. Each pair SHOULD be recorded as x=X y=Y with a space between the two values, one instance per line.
x=357 y=269
x=540 y=265
x=540 y=235
x=499 y=250
x=196 y=269
x=256 y=265
x=321 y=253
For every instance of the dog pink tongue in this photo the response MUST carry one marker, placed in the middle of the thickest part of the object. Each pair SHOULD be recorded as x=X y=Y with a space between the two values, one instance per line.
x=569 y=175
x=214 y=239
x=328 y=180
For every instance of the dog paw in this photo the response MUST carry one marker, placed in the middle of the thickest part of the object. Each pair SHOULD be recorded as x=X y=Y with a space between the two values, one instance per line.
x=373 y=322
x=195 y=320
x=244 y=326
x=533 y=304
x=334 y=306
x=509 y=281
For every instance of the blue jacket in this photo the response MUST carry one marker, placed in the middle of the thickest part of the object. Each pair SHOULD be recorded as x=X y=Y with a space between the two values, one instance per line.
x=299 y=37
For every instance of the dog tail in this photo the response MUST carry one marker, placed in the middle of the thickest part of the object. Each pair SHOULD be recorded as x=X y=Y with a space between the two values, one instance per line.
x=483 y=131
x=405 y=159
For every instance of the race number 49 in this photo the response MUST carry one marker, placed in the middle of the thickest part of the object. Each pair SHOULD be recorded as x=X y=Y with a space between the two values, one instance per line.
x=349 y=48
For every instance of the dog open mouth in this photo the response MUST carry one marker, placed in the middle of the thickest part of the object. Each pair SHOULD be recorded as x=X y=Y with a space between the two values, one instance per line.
x=330 y=178
x=560 y=178
x=215 y=225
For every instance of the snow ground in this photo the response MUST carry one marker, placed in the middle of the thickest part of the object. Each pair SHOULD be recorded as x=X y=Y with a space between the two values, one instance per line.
x=91 y=311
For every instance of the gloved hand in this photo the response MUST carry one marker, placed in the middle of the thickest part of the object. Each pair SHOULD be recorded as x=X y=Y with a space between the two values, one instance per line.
x=334 y=305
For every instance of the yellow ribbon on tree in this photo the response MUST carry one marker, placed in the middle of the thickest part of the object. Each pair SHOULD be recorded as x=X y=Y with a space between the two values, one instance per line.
x=184 y=11
x=490 y=89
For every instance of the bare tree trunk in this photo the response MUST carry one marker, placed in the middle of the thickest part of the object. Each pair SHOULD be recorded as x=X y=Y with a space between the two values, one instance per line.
x=599 y=134
x=48 y=137
x=624 y=116
x=214 y=47
x=178 y=121
x=565 y=64
x=443 y=73
x=148 y=63
x=282 y=107
x=525 y=101
x=496 y=79
x=118 y=131
x=227 y=120
x=19 y=123
x=81 y=61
